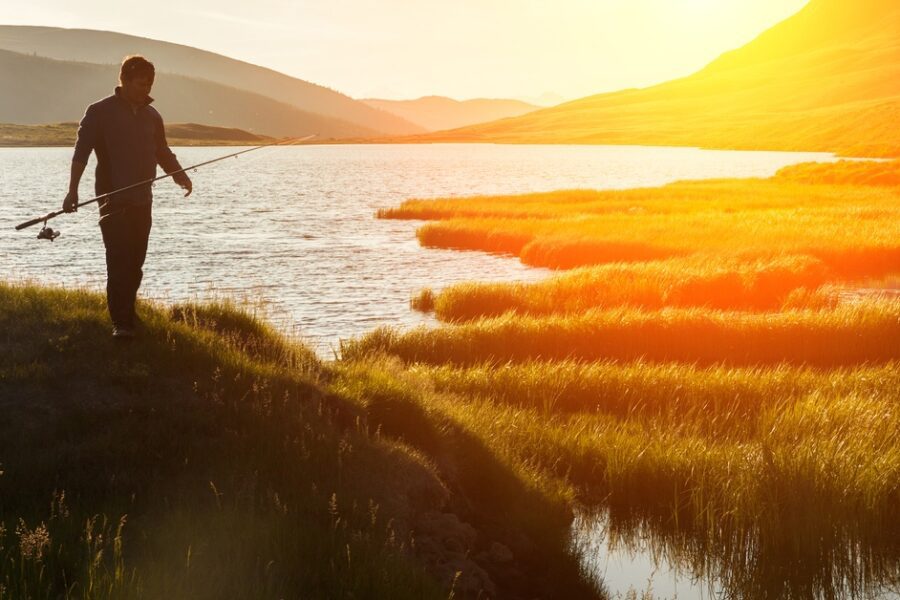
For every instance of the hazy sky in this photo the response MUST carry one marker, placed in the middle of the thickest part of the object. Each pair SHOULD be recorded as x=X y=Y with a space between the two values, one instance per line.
x=461 y=48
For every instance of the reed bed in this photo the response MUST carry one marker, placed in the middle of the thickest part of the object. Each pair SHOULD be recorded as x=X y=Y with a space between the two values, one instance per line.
x=866 y=332
x=854 y=240
x=791 y=188
x=725 y=400
x=703 y=373
x=726 y=284
x=846 y=215
x=839 y=452
x=805 y=472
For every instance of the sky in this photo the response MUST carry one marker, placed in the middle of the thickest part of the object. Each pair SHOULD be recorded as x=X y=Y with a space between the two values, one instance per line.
x=403 y=49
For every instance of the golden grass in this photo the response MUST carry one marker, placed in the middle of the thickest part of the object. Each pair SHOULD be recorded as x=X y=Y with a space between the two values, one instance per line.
x=752 y=284
x=855 y=233
x=865 y=332
x=728 y=244
x=736 y=471
x=709 y=379
x=724 y=398
x=710 y=376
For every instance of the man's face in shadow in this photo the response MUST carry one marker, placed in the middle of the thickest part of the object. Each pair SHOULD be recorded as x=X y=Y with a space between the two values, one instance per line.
x=136 y=89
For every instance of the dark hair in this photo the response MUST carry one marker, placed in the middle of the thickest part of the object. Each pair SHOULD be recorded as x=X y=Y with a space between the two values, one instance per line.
x=136 y=66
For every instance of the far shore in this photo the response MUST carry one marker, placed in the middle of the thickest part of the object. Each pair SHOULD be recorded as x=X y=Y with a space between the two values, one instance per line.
x=194 y=134
x=178 y=134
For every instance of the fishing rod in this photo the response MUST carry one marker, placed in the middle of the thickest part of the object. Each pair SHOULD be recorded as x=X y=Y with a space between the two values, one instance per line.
x=49 y=234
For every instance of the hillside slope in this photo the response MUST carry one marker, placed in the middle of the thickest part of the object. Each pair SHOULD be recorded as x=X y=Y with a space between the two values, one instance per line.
x=827 y=78
x=51 y=91
x=105 y=47
x=213 y=458
x=438 y=112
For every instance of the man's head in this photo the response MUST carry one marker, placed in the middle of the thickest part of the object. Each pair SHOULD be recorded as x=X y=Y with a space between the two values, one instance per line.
x=136 y=76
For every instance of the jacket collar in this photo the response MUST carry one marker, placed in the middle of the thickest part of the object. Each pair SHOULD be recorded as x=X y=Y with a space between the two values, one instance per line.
x=122 y=99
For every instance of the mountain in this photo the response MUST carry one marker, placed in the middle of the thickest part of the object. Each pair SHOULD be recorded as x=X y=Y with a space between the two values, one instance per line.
x=827 y=78
x=104 y=47
x=437 y=112
x=51 y=91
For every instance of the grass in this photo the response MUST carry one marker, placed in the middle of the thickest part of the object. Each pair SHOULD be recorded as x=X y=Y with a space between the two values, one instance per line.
x=714 y=371
x=178 y=134
x=213 y=457
x=787 y=467
x=751 y=285
x=844 y=336
x=745 y=245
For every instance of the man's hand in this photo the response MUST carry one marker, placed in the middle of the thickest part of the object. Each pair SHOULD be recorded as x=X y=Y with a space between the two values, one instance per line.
x=70 y=204
x=185 y=182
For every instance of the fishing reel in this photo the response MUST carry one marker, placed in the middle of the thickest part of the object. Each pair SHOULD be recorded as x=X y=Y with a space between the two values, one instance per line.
x=47 y=233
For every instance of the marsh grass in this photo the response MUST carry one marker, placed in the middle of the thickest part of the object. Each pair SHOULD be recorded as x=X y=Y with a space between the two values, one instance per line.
x=718 y=400
x=844 y=216
x=753 y=285
x=792 y=495
x=844 y=336
x=707 y=374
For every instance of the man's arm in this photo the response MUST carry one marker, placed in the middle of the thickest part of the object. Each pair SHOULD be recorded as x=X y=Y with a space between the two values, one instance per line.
x=167 y=160
x=84 y=145
x=70 y=204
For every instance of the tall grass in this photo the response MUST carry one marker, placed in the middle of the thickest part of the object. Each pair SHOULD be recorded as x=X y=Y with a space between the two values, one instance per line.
x=706 y=378
x=792 y=495
x=757 y=285
x=844 y=215
x=846 y=335
x=723 y=399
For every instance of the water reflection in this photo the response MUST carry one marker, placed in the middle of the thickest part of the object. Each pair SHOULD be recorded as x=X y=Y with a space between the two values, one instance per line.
x=776 y=556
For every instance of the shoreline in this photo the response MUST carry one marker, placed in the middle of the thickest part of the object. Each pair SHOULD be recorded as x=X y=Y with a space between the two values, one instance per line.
x=63 y=135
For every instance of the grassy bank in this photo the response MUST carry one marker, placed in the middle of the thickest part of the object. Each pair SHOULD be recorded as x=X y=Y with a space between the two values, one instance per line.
x=213 y=458
x=177 y=134
x=714 y=371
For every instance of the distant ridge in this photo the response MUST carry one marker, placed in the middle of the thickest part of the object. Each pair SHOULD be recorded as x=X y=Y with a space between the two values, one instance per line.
x=52 y=91
x=438 y=112
x=105 y=47
x=827 y=78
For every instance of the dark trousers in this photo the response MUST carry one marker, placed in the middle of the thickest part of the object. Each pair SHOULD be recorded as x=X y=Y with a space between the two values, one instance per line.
x=125 y=235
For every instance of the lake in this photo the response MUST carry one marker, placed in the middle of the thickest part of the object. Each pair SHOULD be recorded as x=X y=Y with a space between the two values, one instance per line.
x=291 y=230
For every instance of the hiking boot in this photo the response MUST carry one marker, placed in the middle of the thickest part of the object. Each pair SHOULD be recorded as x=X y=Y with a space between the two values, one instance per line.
x=122 y=333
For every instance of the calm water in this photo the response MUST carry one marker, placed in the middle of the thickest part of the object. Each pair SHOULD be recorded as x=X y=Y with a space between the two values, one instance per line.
x=653 y=559
x=291 y=230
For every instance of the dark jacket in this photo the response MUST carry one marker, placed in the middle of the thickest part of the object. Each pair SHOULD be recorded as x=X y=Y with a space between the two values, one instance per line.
x=128 y=145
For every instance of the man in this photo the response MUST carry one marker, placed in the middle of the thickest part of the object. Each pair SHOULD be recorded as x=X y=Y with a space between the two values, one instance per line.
x=128 y=137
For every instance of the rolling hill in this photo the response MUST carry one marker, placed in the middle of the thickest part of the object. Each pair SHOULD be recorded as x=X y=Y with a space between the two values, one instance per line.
x=438 y=112
x=827 y=78
x=52 y=91
x=108 y=48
